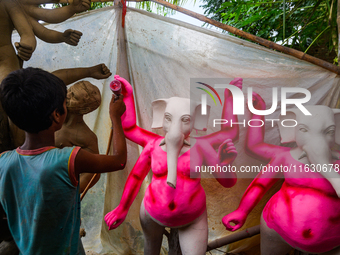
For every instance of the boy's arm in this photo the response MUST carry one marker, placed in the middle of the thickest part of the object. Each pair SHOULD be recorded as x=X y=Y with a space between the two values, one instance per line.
x=71 y=75
x=86 y=162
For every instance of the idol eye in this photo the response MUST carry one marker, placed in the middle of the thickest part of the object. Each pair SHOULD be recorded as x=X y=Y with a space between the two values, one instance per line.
x=303 y=130
x=330 y=132
x=186 y=119
x=167 y=117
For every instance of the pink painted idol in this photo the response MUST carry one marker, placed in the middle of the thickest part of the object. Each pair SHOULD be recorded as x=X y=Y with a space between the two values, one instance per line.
x=174 y=199
x=305 y=213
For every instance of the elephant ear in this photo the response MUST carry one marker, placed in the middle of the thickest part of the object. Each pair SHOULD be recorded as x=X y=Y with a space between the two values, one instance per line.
x=158 y=109
x=337 y=123
x=287 y=133
x=201 y=121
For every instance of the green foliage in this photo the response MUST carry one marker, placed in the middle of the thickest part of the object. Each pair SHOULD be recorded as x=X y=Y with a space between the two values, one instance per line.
x=98 y=5
x=94 y=5
x=307 y=23
x=154 y=7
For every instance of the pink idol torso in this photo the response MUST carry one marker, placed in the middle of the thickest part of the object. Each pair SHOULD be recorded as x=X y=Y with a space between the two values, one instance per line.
x=173 y=207
x=306 y=210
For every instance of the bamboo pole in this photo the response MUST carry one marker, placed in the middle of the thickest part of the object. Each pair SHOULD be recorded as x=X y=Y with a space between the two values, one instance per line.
x=292 y=52
x=249 y=232
x=121 y=69
x=259 y=40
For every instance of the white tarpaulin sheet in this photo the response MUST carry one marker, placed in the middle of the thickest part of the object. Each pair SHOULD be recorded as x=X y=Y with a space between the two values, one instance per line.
x=163 y=55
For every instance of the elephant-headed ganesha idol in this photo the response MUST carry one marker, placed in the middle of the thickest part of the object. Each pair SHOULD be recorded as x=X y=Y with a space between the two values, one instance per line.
x=174 y=199
x=305 y=213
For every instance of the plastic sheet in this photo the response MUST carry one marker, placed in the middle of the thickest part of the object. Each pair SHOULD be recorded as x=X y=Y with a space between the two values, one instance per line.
x=163 y=55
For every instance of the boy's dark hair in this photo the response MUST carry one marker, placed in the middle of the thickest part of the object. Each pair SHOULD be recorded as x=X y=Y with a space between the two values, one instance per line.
x=30 y=95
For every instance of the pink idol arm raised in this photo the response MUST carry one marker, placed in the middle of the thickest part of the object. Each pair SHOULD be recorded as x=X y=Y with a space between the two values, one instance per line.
x=254 y=144
x=254 y=193
x=116 y=217
x=131 y=130
x=227 y=131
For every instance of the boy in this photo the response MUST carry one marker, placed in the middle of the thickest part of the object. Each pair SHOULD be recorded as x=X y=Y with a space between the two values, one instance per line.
x=39 y=189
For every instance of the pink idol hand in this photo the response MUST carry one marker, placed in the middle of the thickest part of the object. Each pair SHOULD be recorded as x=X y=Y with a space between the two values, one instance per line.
x=237 y=82
x=258 y=102
x=237 y=217
x=227 y=152
x=127 y=90
x=115 y=218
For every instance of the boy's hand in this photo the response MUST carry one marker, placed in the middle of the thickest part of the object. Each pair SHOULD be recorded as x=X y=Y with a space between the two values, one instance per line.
x=100 y=71
x=72 y=37
x=117 y=106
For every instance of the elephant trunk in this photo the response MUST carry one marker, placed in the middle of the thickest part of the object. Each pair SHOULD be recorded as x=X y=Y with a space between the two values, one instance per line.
x=318 y=152
x=174 y=141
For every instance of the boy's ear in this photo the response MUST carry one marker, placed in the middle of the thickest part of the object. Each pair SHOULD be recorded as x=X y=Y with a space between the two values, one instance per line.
x=56 y=116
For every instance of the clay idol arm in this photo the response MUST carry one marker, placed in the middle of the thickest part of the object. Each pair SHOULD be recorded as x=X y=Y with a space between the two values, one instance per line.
x=59 y=14
x=116 y=217
x=255 y=145
x=227 y=131
x=131 y=130
x=254 y=193
x=21 y=23
x=70 y=36
x=71 y=75
x=38 y=2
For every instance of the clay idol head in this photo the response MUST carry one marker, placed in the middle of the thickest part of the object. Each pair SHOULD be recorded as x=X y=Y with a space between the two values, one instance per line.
x=82 y=98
